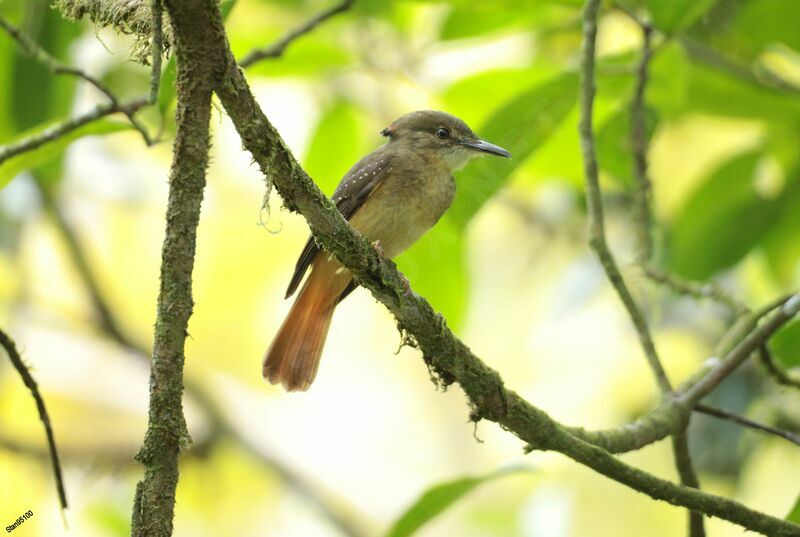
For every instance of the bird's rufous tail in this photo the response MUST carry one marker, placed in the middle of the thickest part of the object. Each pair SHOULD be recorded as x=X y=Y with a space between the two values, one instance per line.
x=293 y=357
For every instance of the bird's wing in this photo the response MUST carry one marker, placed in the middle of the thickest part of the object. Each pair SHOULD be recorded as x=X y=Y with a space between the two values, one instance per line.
x=354 y=188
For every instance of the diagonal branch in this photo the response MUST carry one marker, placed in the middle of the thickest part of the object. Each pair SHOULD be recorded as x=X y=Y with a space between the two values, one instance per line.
x=449 y=358
x=8 y=344
x=777 y=372
x=747 y=422
x=49 y=61
x=58 y=130
x=277 y=49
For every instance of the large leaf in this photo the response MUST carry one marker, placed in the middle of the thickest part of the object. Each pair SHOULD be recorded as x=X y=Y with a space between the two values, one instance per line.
x=438 y=498
x=722 y=221
x=614 y=150
x=781 y=245
x=47 y=152
x=435 y=266
x=520 y=126
x=673 y=15
x=794 y=514
x=786 y=344
x=336 y=145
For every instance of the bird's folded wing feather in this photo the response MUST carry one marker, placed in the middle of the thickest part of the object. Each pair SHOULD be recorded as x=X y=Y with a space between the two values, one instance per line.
x=354 y=188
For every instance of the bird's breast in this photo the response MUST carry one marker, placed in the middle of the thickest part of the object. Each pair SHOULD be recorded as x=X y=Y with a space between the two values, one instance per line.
x=403 y=208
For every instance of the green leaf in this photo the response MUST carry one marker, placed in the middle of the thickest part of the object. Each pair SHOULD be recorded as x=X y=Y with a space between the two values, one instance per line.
x=46 y=153
x=781 y=246
x=438 y=498
x=794 y=514
x=337 y=144
x=520 y=126
x=785 y=344
x=673 y=15
x=614 y=149
x=722 y=221
x=476 y=20
x=436 y=267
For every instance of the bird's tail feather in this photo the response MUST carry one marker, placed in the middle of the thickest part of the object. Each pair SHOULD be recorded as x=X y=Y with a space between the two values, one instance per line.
x=293 y=357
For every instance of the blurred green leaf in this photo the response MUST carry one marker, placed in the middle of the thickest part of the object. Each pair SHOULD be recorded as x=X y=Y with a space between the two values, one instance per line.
x=436 y=267
x=166 y=89
x=112 y=519
x=46 y=153
x=794 y=514
x=520 y=126
x=438 y=498
x=614 y=149
x=673 y=15
x=477 y=19
x=722 y=220
x=785 y=344
x=717 y=91
x=476 y=97
x=761 y=23
x=337 y=144
x=781 y=244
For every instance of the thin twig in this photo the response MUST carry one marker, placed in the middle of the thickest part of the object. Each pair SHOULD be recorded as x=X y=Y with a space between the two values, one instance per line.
x=698 y=290
x=277 y=49
x=156 y=49
x=11 y=349
x=718 y=370
x=594 y=201
x=58 y=130
x=777 y=372
x=643 y=224
x=747 y=422
x=643 y=215
x=57 y=67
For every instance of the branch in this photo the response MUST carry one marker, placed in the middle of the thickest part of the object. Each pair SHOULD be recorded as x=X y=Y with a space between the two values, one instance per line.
x=449 y=358
x=777 y=372
x=58 y=130
x=277 y=49
x=746 y=422
x=198 y=67
x=643 y=221
x=643 y=215
x=8 y=344
x=597 y=237
x=49 y=61
x=698 y=290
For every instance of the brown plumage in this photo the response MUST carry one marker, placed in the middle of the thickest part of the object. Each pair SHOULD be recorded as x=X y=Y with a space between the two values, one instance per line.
x=393 y=196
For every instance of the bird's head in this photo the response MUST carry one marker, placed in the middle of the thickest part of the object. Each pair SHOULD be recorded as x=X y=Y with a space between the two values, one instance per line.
x=440 y=136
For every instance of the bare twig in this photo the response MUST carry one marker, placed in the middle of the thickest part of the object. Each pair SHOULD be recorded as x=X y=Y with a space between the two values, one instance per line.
x=597 y=236
x=156 y=48
x=8 y=344
x=277 y=49
x=43 y=57
x=777 y=372
x=643 y=215
x=747 y=422
x=58 y=130
x=698 y=290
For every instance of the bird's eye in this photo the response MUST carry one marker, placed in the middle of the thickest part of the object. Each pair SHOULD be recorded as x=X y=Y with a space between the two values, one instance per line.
x=442 y=133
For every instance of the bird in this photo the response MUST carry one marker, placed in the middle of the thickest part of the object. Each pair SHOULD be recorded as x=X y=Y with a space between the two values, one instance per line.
x=392 y=196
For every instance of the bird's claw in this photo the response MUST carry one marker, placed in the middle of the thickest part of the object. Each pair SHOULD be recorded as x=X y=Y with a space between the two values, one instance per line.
x=376 y=245
x=407 y=291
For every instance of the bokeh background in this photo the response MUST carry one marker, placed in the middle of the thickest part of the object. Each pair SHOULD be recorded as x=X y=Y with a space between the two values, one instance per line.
x=81 y=225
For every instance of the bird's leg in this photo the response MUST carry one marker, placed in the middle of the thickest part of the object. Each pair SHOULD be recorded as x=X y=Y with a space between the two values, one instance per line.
x=376 y=245
x=407 y=291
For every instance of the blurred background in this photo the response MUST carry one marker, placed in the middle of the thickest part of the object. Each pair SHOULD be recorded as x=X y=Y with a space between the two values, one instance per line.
x=81 y=225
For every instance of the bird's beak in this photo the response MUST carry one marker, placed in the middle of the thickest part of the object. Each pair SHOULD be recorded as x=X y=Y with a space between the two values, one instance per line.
x=485 y=147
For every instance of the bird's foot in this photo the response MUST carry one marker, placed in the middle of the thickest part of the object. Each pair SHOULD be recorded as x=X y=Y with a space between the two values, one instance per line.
x=376 y=245
x=407 y=291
